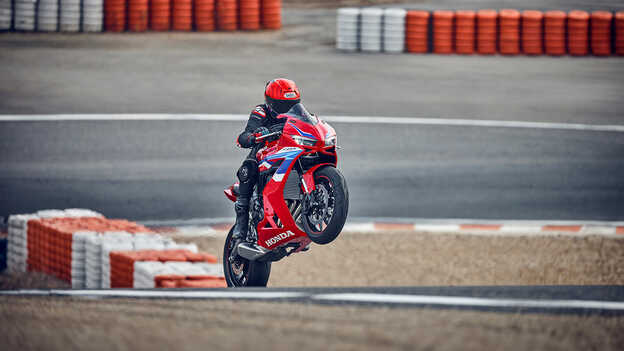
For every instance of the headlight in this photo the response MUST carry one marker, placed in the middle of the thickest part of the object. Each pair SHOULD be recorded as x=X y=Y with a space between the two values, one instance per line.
x=331 y=141
x=303 y=140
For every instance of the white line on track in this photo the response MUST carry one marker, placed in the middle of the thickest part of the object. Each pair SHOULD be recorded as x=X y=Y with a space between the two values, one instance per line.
x=337 y=119
x=159 y=293
x=470 y=301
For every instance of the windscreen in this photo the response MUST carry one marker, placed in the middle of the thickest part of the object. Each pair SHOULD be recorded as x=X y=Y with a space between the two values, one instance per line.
x=299 y=111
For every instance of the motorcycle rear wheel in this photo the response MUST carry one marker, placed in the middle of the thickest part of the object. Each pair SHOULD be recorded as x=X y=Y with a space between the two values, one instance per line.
x=242 y=272
x=326 y=220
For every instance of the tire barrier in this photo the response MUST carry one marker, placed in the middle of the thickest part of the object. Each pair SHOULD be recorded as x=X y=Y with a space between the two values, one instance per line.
x=205 y=15
x=465 y=32
x=81 y=247
x=6 y=14
x=25 y=15
x=443 y=31
x=532 y=32
x=416 y=31
x=69 y=18
x=578 y=33
x=347 y=29
x=488 y=32
x=371 y=28
x=47 y=15
x=139 y=15
x=394 y=30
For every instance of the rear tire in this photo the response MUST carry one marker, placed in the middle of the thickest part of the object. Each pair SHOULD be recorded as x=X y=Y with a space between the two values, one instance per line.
x=242 y=272
x=334 y=183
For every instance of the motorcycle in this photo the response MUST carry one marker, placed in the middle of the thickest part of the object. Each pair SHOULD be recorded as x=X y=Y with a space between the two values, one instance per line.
x=300 y=197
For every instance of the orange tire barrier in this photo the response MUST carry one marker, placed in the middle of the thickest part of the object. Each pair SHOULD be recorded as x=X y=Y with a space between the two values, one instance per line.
x=578 y=33
x=619 y=33
x=160 y=15
x=138 y=15
x=249 y=11
x=115 y=15
x=509 y=34
x=271 y=14
x=182 y=15
x=601 y=32
x=227 y=15
x=555 y=32
x=443 y=31
x=417 y=31
x=465 y=32
x=532 y=32
x=205 y=15
x=486 y=32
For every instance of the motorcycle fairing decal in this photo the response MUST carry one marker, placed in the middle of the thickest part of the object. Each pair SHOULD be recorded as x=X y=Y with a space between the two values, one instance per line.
x=289 y=155
x=302 y=133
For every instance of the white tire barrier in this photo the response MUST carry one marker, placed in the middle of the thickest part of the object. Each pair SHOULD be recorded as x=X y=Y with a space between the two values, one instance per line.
x=347 y=28
x=47 y=15
x=92 y=15
x=394 y=30
x=70 y=16
x=371 y=29
x=25 y=15
x=6 y=13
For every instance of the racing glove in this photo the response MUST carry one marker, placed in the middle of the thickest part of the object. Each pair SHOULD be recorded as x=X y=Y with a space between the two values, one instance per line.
x=259 y=132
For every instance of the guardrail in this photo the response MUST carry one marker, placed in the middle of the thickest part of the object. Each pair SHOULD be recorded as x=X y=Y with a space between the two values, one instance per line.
x=139 y=15
x=485 y=32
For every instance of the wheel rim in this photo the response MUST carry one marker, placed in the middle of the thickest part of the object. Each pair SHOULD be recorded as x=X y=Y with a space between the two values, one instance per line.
x=322 y=209
x=238 y=268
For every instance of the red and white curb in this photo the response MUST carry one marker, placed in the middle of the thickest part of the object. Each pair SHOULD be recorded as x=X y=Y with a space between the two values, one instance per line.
x=219 y=227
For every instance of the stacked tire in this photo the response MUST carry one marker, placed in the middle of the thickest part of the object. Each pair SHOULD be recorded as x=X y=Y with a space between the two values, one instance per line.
x=509 y=35
x=370 y=31
x=47 y=15
x=271 y=14
x=532 y=32
x=578 y=33
x=464 y=32
x=227 y=15
x=138 y=15
x=347 y=29
x=417 y=31
x=249 y=11
x=619 y=33
x=443 y=32
x=69 y=20
x=115 y=15
x=486 y=32
x=25 y=15
x=6 y=13
x=601 y=33
x=92 y=15
x=394 y=30
x=160 y=15
x=555 y=33
x=182 y=15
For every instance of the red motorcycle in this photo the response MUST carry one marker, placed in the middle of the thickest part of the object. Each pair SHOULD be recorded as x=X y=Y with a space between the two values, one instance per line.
x=300 y=197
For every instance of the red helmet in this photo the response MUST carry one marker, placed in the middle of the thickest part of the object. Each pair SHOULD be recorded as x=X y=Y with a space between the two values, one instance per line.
x=281 y=94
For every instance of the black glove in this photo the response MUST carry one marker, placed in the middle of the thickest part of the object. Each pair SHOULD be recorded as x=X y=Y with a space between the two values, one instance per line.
x=259 y=132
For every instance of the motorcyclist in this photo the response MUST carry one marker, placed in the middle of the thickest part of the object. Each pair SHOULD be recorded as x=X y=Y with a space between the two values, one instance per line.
x=280 y=95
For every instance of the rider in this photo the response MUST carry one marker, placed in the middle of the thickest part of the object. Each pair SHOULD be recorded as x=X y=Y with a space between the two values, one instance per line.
x=280 y=95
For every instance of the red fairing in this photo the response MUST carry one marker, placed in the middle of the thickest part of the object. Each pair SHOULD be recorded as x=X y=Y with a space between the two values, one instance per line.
x=301 y=136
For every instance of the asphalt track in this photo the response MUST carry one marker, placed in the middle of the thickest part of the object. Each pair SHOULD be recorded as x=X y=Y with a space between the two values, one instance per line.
x=170 y=169
x=600 y=300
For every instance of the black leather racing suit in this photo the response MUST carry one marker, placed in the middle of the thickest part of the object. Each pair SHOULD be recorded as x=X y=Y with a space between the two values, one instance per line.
x=247 y=174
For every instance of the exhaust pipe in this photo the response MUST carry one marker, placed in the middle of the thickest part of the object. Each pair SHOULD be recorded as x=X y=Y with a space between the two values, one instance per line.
x=251 y=251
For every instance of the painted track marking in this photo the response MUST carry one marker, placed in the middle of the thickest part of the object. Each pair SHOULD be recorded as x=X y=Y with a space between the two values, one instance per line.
x=337 y=119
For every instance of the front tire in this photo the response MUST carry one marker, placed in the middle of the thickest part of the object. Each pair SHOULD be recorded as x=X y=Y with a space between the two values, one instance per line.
x=242 y=272
x=328 y=215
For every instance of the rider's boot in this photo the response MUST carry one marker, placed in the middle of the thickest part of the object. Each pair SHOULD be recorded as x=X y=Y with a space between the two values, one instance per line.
x=241 y=227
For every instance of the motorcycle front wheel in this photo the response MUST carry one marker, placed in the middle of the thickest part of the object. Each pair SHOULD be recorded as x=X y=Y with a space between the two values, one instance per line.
x=240 y=272
x=329 y=206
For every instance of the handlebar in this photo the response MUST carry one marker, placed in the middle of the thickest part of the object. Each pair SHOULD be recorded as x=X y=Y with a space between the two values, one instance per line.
x=262 y=137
